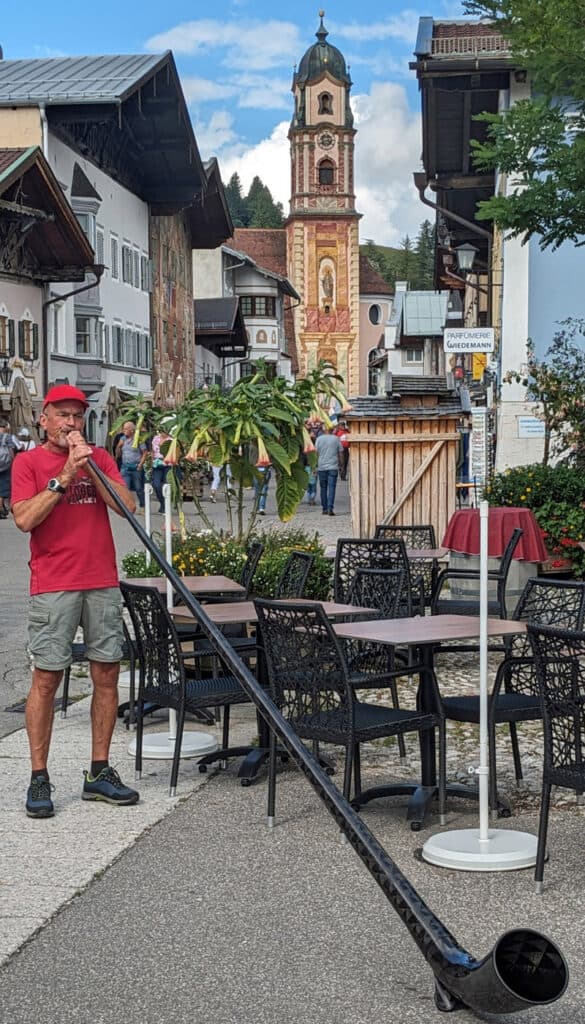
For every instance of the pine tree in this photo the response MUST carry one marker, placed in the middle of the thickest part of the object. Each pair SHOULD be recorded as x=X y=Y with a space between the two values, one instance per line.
x=407 y=264
x=425 y=256
x=263 y=212
x=236 y=202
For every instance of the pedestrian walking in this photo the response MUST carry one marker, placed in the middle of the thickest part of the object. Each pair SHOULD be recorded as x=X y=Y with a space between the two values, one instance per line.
x=159 y=468
x=74 y=580
x=132 y=461
x=218 y=473
x=8 y=446
x=261 y=487
x=25 y=441
x=329 y=449
x=342 y=432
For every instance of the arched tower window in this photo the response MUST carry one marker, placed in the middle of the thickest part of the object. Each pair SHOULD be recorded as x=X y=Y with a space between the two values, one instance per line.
x=326 y=172
x=325 y=103
x=373 y=371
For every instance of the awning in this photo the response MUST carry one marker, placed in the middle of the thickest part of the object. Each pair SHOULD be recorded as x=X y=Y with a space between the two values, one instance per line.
x=220 y=327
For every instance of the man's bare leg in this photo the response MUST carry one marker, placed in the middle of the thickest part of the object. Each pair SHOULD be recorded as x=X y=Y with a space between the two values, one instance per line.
x=38 y=715
x=104 y=706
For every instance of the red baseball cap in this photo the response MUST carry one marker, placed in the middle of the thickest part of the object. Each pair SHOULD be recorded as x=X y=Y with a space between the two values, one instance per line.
x=65 y=393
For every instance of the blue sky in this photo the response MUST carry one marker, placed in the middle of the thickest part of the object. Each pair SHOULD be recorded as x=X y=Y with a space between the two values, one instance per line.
x=236 y=59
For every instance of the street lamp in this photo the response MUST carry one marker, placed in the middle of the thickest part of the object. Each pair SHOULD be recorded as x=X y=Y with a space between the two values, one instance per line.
x=466 y=254
x=5 y=374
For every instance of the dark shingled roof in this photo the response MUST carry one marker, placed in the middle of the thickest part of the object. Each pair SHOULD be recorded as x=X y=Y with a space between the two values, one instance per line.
x=409 y=396
x=8 y=156
x=371 y=282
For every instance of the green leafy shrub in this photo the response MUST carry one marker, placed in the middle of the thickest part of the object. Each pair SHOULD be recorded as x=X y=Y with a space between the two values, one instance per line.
x=556 y=495
x=202 y=553
x=532 y=486
x=278 y=545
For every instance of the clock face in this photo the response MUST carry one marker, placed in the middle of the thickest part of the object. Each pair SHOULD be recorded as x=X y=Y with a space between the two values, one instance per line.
x=326 y=140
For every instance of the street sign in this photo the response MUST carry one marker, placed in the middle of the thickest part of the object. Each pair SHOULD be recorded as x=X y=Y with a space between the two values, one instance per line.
x=468 y=339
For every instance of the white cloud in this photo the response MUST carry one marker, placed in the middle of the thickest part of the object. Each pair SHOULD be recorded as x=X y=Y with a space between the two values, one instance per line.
x=203 y=90
x=269 y=159
x=251 y=45
x=214 y=134
x=387 y=147
x=403 y=26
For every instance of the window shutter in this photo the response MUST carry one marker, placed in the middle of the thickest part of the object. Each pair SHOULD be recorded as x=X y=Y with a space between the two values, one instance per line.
x=11 y=338
x=106 y=343
x=21 y=352
x=35 y=341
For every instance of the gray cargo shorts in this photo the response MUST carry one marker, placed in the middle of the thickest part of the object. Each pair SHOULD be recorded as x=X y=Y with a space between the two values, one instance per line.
x=54 y=618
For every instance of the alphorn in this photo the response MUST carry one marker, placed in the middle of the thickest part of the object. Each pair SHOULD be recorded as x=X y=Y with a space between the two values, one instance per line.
x=524 y=969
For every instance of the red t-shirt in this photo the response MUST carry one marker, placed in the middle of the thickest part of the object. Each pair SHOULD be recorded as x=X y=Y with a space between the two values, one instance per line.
x=73 y=549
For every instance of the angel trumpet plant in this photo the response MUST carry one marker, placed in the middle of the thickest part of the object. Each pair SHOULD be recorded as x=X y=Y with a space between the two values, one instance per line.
x=263 y=457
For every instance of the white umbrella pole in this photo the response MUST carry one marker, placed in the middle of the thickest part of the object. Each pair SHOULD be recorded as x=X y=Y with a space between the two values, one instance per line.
x=483 y=770
x=482 y=849
x=147 y=511
x=169 y=557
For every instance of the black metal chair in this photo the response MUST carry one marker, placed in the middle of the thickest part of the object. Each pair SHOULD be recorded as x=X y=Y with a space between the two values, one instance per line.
x=79 y=655
x=416 y=537
x=470 y=606
x=362 y=553
x=238 y=636
x=312 y=685
x=515 y=694
x=171 y=677
x=560 y=671
x=293 y=578
x=373 y=666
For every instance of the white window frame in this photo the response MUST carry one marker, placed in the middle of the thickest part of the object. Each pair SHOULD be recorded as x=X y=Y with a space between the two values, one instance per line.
x=114 y=256
x=413 y=355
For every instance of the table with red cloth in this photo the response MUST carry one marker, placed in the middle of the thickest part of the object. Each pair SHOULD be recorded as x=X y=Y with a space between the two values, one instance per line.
x=463 y=533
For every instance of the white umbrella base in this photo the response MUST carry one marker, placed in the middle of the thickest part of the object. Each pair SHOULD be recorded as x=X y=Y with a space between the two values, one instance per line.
x=160 y=747
x=462 y=850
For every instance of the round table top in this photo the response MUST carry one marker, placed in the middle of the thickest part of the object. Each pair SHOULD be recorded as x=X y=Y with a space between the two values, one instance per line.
x=463 y=533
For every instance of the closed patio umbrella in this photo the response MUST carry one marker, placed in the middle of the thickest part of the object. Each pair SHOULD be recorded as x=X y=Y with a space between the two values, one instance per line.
x=159 y=395
x=21 y=410
x=180 y=390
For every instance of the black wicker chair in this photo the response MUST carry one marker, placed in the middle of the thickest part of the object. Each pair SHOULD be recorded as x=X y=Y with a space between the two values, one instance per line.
x=293 y=578
x=79 y=655
x=171 y=677
x=462 y=606
x=238 y=636
x=373 y=666
x=560 y=672
x=515 y=695
x=416 y=537
x=311 y=684
x=361 y=553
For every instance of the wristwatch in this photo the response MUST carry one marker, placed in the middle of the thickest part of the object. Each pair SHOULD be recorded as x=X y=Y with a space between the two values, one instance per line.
x=55 y=486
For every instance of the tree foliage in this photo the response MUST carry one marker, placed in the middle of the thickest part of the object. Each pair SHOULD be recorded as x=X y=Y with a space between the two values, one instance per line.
x=412 y=262
x=260 y=422
x=540 y=142
x=255 y=210
x=557 y=384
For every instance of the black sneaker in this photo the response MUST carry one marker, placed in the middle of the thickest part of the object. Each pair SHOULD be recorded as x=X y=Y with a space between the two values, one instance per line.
x=109 y=787
x=38 y=798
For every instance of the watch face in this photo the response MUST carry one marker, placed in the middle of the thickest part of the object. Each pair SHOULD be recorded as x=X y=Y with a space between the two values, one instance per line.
x=326 y=140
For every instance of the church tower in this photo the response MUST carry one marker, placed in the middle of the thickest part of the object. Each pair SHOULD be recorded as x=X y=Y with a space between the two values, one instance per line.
x=322 y=226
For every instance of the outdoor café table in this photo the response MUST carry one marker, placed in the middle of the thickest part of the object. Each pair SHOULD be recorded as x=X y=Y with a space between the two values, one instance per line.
x=424 y=633
x=237 y=613
x=196 y=584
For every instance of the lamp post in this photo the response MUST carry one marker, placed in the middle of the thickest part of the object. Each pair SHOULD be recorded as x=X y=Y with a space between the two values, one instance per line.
x=5 y=374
